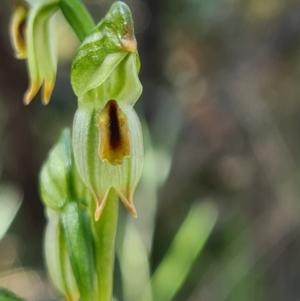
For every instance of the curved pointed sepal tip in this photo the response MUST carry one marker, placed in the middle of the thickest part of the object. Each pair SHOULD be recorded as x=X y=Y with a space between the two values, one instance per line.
x=99 y=211
x=131 y=210
x=100 y=204
x=21 y=55
x=18 y=30
x=129 y=44
x=31 y=92
x=128 y=203
x=47 y=91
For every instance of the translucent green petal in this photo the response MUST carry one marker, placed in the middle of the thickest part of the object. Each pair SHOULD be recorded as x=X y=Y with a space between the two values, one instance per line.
x=100 y=175
x=101 y=74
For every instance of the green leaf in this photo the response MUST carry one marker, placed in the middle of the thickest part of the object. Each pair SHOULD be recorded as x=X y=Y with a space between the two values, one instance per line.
x=189 y=241
x=6 y=295
x=134 y=264
x=78 y=17
x=76 y=227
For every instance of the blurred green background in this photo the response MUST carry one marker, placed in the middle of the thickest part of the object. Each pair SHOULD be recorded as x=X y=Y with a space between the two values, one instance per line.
x=221 y=102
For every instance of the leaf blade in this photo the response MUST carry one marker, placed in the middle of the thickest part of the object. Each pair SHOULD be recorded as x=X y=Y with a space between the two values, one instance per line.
x=173 y=270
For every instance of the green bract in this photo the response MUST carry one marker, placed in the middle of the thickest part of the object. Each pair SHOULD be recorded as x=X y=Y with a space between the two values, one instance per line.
x=77 y=231
x=57 y=257
x=107 y=135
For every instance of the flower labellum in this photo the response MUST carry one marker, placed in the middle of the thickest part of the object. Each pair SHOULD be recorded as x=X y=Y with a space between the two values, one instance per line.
x=113 y=130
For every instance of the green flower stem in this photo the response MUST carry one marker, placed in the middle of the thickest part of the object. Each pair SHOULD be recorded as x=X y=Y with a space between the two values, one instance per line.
x=78 y=17
x=105 y=233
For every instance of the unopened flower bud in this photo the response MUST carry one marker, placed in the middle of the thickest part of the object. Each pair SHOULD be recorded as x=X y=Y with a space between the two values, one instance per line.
x=60 y=182
x=57 y=258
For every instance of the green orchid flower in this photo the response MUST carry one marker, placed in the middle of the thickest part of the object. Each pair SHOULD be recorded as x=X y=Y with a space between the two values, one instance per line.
x=107 y=135
x=32 y=38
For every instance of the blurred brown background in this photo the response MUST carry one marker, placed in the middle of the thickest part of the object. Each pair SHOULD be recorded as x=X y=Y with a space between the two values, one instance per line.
x=222 y=99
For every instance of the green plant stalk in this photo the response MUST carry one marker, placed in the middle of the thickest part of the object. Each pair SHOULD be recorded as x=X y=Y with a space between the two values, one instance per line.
x=78 y=17
x=105 y=232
